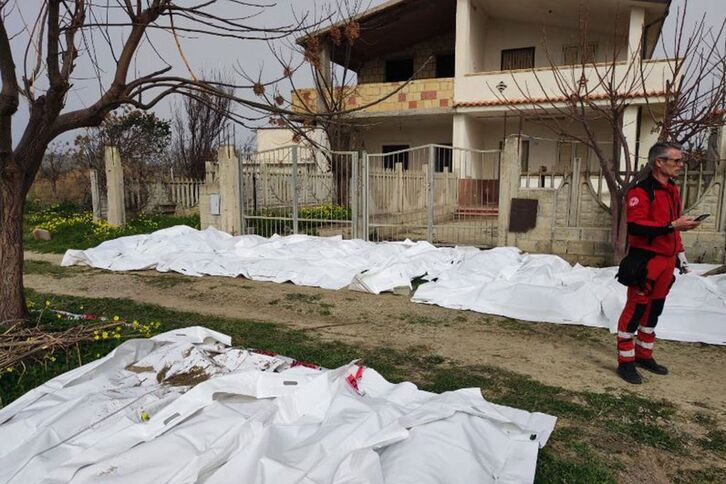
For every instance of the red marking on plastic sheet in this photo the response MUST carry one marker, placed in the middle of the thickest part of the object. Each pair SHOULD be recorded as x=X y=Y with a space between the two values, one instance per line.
x=306 y=364
x=354 y=379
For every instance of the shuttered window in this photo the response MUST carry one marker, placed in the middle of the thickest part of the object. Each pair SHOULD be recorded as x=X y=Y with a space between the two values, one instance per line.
x=513 y=59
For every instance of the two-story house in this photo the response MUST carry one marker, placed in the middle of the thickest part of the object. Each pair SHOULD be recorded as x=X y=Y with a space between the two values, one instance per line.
x=474 y=61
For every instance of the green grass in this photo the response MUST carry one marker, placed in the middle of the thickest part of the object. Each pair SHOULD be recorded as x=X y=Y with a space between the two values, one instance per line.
x=72 y=228
x=591 y=425
x=47 y=268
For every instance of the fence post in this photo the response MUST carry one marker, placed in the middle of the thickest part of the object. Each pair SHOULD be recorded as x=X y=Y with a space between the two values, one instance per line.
x=430 y=196
x=353 y=197
x=575 y=192
x=295 y=155
x=95 y=195
x=229 y=189
x=365 y=216
x=508 y=185
x=115 y=187
x=241 y=184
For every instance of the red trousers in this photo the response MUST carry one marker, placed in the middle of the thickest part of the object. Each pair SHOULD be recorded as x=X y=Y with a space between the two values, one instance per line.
x=636 y=326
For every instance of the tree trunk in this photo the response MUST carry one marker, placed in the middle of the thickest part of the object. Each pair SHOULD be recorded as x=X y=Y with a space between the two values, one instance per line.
x=12 y=203
x=618 y=228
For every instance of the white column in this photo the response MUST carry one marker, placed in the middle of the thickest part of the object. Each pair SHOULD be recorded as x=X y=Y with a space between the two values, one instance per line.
x=462 y=137
x=635 y=32
x=462 y=46
x=115 y=187
x=630 y=131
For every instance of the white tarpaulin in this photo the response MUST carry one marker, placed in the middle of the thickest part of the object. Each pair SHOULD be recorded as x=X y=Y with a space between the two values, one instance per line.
x=184 y=407
x=501 y=281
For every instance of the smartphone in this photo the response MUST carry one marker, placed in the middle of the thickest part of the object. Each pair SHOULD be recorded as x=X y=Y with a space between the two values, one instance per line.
x=702 y=217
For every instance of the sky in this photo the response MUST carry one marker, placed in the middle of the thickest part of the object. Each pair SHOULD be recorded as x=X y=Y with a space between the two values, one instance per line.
x=230 y=57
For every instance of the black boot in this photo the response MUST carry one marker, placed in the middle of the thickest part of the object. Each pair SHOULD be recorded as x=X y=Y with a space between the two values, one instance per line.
x=628 y=373
x=652 y=366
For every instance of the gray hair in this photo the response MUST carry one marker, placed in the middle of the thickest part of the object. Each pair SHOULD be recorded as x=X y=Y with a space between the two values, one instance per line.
x=660 y=150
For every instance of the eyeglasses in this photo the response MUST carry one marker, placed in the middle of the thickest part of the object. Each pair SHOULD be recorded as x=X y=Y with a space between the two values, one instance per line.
x=677 y=161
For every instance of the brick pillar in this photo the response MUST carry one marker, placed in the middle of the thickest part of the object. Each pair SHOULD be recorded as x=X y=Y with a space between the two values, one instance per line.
x=115 y=187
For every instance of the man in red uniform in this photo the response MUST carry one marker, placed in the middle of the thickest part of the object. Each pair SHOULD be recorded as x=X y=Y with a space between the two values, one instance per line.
x=654 y=225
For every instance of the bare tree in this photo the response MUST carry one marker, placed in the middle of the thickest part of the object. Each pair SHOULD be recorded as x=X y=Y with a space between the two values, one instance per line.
x=331 y=105
x=197 y=126
x=64 y=33
x=591 y=93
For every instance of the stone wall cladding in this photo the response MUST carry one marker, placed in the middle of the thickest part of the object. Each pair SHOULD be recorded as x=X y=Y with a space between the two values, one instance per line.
x=420 y=94
x=709 y=203
x=592 y=214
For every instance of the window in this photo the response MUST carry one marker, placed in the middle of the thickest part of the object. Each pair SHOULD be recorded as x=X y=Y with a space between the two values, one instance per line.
x=524 y=156
x=399 y=69
x=443 y=158
x=513 y=59
x=572 y=53
x=445 y=65
x=389 y=161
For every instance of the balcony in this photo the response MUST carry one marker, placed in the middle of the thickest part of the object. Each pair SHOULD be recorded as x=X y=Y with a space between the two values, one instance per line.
x=498 y=89
x=422 y=95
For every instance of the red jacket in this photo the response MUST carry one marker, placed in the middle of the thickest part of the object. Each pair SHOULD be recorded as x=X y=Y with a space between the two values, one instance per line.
x=649 y=221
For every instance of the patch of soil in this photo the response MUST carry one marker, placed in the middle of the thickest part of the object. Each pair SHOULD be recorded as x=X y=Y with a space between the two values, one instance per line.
x=572 y=357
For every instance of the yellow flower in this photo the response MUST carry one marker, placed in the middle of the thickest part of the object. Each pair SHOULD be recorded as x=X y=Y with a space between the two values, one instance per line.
x=135 y=324
x=118 y=328
x=58 y=316
x=145 y=417
x=98 y=355
x=9 y=370
x=104 y=335
x=117 y=336
x=47 y=303
x=115 y=318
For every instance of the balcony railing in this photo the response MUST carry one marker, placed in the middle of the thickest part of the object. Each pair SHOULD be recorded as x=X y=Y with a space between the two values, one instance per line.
x=421 y=94
x=502 y=88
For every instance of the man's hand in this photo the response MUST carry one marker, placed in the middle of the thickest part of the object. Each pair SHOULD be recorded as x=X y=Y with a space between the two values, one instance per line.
x=684 y=223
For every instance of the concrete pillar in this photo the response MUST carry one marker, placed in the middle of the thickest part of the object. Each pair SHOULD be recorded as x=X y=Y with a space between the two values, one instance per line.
x=630 y=131
x=463 y=137
x=95 y=195
x=209 y=196
x=635 y=33
x=721 y=173
x=509 y=176
x=115 y=187
x=323 y=77
x=462 y=60
x=229 y=190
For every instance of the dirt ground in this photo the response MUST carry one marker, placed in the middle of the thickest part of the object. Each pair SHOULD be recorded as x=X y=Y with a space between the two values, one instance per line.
x=572 y=357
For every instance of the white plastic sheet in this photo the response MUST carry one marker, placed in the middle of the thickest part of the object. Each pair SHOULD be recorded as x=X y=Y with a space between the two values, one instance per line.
x=256 y=419
x=501 y=281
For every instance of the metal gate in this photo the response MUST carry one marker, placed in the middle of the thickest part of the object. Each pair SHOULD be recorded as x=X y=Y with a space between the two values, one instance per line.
x=438 y=193
x=294 y=190
x=443 y=194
